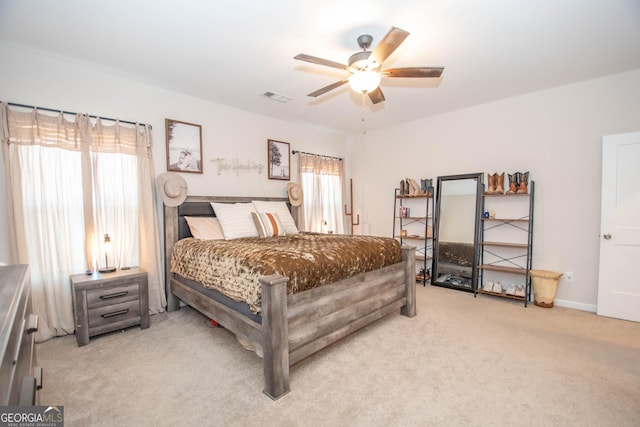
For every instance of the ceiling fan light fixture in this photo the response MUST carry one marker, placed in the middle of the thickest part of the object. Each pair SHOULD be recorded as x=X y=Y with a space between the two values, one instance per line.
x=364 y=81
x=366 y=66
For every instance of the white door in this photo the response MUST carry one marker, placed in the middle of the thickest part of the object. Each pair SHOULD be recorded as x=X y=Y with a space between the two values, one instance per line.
x=619 y=281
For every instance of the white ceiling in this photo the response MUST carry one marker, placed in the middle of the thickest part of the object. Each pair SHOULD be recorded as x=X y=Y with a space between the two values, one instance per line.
x=231 y=52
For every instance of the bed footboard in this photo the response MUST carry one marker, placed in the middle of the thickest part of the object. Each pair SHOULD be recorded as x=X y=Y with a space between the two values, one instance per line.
x=296 y=326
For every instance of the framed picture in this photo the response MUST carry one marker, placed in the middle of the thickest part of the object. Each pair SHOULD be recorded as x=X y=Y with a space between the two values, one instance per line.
x=184 y=146
x=279 y=159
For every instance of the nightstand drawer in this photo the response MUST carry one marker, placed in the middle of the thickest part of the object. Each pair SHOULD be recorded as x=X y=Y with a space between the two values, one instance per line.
x=112 y=295
x=114 y=313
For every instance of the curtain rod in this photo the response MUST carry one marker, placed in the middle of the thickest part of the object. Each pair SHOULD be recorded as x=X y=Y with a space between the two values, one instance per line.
x=319 y=155
x=14 y=104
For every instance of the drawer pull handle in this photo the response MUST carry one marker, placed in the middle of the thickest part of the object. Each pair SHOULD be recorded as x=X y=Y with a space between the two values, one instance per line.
x=32 y=326
x=37 y=372
x=115 y=313
x=116 y=295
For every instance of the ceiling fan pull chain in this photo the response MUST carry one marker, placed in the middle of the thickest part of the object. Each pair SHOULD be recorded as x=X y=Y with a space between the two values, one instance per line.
x=364 y=131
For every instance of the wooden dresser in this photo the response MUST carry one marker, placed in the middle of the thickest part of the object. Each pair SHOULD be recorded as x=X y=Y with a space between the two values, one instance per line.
x=20 y=378
x=106 y=302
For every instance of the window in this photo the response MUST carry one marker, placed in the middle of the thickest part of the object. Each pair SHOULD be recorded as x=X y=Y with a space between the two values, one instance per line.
x=322 y=181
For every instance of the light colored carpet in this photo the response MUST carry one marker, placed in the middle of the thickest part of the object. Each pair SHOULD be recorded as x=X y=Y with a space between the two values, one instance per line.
x=462 y=361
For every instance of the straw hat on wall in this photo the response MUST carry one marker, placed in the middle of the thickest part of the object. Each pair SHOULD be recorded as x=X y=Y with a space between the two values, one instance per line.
x=295 y=194
x=173 y=188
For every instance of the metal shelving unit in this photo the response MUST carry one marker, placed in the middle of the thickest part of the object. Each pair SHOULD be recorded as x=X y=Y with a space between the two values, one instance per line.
x=507 y=257
x=415 y=229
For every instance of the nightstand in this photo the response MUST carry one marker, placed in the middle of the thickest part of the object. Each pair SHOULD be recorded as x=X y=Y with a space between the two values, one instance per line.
x=106 y=302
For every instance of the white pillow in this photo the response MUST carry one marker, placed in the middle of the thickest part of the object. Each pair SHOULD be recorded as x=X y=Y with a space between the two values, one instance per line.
x=268 y=224
x=281 y=209
x=235 y=219
x=205 y=228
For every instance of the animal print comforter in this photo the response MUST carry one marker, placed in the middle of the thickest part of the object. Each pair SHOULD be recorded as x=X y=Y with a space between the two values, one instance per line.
x=233 y=267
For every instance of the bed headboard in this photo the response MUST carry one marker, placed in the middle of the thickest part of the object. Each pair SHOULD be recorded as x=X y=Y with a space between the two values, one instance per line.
x=176 y=228
x=196 y=206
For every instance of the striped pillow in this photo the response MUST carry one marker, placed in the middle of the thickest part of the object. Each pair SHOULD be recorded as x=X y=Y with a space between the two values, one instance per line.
x=280 y=209
x=268 y=224
x=235 y=219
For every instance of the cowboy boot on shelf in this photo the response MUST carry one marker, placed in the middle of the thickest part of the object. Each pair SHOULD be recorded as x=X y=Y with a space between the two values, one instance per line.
x=418 y=190
x=499 y=183
x=513 y=183
x=491 y=184
x=426 y=186
x=414 y=189
x=403 y=188
x=523 y=183
x=408 y=187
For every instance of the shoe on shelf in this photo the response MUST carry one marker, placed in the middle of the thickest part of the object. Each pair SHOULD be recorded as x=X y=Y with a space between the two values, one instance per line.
x=520 y=292
x=511 y=289
x=497 y=288
x=488 y=286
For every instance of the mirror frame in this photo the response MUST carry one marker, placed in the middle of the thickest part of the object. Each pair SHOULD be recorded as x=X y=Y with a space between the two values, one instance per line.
x=436 y=229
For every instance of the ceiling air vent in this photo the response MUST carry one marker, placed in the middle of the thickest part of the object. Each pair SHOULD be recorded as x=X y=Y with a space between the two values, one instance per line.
x=276 y=97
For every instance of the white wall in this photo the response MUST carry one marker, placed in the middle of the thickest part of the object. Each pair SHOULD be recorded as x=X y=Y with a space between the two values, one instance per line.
x=555 y=134
x=35 y=78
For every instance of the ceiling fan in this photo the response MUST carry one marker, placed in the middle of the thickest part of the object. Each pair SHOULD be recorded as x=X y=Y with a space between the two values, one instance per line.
x=366 y=66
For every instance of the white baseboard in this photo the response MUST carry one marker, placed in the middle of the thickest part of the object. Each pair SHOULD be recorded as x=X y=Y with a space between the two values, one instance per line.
x=576 y=305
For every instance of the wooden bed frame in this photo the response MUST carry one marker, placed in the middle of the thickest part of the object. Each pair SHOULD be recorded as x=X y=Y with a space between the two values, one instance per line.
x=293 y=326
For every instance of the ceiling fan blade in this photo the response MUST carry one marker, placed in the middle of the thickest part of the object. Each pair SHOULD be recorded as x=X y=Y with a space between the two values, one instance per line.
x=413 y=72
x=376 y=95
x=328 y=88
x=388 y=44
x=320 y=61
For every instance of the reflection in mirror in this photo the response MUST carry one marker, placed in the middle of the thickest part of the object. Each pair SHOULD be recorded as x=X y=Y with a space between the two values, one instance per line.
x=455 y=254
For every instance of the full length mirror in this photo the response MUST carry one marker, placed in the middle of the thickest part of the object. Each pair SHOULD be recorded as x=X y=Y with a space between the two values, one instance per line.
x=458 y=206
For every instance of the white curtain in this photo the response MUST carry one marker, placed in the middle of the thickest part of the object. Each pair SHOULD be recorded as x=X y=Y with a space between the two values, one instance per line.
x=70 y=182
x=322 y=182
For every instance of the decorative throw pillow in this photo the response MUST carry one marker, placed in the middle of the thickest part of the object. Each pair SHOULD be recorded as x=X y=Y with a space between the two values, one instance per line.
x=268 y=224
x=235 y=219
x=281 y=209
x=205 y=228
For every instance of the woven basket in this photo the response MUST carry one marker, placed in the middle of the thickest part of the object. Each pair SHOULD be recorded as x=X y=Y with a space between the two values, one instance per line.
x=545 y=285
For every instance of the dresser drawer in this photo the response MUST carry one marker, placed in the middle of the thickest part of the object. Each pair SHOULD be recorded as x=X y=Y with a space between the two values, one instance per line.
x=115 y=313
x=112 y=295
x=18 y=327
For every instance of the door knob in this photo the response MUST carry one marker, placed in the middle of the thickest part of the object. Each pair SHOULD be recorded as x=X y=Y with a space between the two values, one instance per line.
x=607 y=236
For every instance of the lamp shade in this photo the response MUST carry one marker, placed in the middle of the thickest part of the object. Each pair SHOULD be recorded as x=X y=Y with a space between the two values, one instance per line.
x=364 y=81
